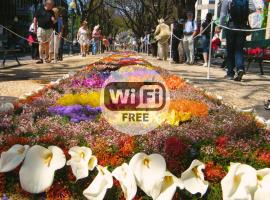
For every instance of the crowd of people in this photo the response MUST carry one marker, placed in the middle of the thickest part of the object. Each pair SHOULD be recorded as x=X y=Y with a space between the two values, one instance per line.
x=183 y=37
x=234 y=14
x=47 y=32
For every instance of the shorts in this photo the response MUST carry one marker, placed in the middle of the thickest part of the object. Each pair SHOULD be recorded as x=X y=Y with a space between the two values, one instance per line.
x=205 y=43
x=44 y=35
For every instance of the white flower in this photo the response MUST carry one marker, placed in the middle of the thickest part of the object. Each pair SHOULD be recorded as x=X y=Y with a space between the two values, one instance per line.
x=149 y=172
x=13 y=157
x=263 y=184
x=169 y=186
x=239 y=183
x=98 y=188
x=193 y=178
x=81 y=161
x=127 y=180
x=39 y=166
x=6 y=107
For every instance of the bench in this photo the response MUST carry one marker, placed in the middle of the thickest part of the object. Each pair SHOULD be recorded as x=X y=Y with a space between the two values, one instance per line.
x=10 y=52
x=257 y=51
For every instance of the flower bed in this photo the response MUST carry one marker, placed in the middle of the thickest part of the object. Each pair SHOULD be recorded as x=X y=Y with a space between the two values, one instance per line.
x=67 y=117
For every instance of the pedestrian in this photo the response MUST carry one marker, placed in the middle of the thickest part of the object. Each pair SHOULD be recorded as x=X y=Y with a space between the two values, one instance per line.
x=181 y=50
x=190 y=31
x=162 y=35
x=44 y=21
x=153 y=43
x=57 y=34
x=206 y=36
x=110 y=39
x=96 y=39
x=62 y=31
x=177 y=35
x=83 y=38
x=33 y=42
x=237 y=12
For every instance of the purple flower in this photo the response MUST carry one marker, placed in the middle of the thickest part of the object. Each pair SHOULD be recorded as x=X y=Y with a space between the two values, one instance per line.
x=76 y=113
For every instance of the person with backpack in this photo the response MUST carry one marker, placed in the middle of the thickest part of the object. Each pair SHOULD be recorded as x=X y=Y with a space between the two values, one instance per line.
x=237 y=12
x=190 y=31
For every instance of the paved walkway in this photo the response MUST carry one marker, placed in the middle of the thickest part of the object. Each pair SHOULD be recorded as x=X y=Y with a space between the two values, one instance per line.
x=250 y=93
x=255 y=88
x=16 y=81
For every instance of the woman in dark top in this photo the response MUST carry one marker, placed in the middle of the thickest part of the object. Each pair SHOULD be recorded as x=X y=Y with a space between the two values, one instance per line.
x=206 y=37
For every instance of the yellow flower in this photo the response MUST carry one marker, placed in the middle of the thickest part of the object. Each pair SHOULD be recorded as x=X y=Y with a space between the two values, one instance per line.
x=92 y=99
x=174 y=118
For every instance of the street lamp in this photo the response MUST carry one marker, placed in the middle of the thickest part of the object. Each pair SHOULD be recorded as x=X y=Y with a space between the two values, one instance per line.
x=72 y=7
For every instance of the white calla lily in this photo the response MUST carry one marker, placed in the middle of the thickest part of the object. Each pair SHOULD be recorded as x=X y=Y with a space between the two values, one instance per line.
x=169 y=185
x=263 y=184
x=193 y=178
x=98 y=188
x=239 y=183
x=13 y=157
x=127 y=180
x=6 y=107
x=39 y=166
x=149 y=171
x=81 y=161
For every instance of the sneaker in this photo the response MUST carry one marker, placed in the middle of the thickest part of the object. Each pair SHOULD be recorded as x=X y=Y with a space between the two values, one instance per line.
x=40 y=61
x=239 y=76
x=205 y=65
x=267 y=105
x=187 y=63
x=230 y=78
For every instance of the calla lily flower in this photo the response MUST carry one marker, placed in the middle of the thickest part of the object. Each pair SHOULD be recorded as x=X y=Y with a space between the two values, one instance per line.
x=6 y=107
x=149 y=172
x=39 y=166
x=13 y=157
x=239 y=183
x=169 y=186
x=263 y=184
x=98 y=188
x=81 y=161
x=193 y=178
x=127 y=180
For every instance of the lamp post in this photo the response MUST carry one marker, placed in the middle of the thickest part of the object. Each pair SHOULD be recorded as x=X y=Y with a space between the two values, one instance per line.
x=72 y=7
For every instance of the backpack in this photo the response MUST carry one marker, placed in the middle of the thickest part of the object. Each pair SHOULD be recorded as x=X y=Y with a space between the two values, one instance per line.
x=239 y=12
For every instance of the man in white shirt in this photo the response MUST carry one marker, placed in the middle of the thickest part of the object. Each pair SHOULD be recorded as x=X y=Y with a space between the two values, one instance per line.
x=190 y=31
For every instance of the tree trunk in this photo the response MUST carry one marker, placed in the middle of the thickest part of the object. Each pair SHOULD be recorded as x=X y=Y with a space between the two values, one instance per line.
x=268 y=24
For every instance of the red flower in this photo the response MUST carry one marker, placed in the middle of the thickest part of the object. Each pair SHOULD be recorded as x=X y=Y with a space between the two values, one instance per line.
x=174 y=147
x=213 y=172
x=116 y=183
x=58 y=191
x=263 y=156
x=174 y=166
x=222 y=141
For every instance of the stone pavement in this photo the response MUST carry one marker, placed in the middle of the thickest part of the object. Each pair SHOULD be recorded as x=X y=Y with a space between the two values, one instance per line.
x=16 y=81
x=250 y=93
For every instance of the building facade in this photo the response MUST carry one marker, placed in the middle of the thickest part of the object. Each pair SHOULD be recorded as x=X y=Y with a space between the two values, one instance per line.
x=202 y=7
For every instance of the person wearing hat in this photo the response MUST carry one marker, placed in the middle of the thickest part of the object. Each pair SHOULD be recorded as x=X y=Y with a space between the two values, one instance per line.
x=190 y=31
x=162 y=35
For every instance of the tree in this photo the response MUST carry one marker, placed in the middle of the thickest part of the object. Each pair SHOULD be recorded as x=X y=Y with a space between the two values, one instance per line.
x=142 y=15
x=268 y=23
